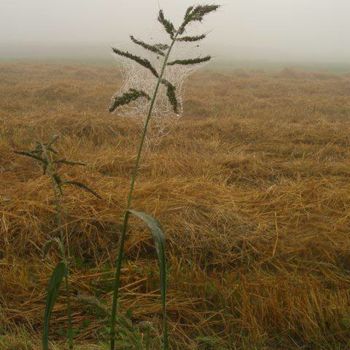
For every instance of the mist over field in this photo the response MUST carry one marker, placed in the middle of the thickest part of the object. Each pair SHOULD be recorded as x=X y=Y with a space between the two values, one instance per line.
x=271 y=30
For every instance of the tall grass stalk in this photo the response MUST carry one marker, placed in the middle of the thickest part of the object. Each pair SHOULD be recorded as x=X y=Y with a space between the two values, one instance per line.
x=129 y=201
x=193 y=14
x=64 y=240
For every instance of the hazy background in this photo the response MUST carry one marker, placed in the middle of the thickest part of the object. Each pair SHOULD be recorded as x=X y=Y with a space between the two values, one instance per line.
x=270 y=30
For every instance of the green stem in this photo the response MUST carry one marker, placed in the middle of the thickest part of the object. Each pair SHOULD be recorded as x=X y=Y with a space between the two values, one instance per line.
x=69 y=310
x=65 y=258
x=51 y=170
x=128 y=206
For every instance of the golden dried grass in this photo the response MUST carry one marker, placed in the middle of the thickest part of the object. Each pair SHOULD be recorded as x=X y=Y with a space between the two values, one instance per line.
x=252 y=187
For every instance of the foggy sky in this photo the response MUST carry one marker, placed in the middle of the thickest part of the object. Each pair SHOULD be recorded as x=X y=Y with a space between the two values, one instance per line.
x=278 y=29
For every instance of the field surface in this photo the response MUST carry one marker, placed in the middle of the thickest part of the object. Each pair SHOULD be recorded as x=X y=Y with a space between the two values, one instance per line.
x=252 y=187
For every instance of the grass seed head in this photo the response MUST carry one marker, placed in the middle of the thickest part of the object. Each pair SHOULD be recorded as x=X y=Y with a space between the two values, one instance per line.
x=157 y=48
x=190 y=61
x=168 y=26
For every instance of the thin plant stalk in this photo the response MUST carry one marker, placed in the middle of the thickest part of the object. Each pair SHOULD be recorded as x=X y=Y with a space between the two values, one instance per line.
x=128 y=207
x=193 y=14
x=69 y=311
x=64 y=256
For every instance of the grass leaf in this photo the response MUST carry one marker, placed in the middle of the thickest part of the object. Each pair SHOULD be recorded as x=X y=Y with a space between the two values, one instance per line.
x=159 y=241
x=31 y=155
x=83 y=187
x=68 y=162
x=57 y=276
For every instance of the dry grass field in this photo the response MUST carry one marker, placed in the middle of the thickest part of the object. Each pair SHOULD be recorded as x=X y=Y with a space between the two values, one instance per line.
x=252 y=186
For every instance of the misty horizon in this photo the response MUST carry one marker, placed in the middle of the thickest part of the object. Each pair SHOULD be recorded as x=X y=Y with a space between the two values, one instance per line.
x=278 y=31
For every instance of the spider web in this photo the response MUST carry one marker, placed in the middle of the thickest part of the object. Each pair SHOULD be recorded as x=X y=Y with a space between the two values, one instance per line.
x=138 y=77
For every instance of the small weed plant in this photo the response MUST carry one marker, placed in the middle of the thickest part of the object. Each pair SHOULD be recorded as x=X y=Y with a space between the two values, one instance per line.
x=49 y=160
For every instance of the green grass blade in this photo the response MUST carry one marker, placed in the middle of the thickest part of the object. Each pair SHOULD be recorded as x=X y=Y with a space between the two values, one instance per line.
x=159 y=241
x=52 y=292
